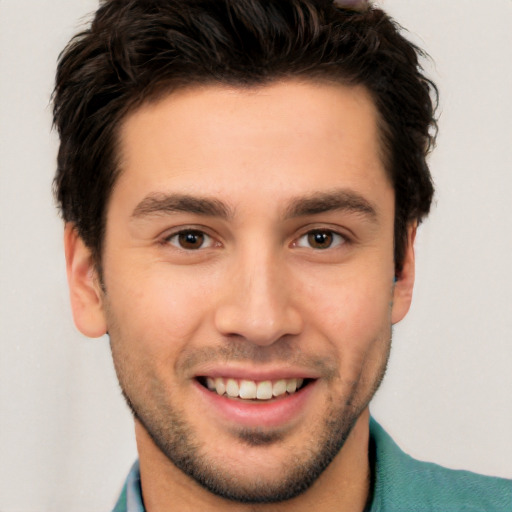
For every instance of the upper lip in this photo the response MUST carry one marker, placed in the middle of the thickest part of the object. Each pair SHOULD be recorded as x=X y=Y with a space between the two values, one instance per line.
x=256 y=374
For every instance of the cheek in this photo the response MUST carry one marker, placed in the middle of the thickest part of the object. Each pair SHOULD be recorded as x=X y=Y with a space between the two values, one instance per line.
x=358 y=304
x=156 y=313
x=354 y=315
x=359 y=334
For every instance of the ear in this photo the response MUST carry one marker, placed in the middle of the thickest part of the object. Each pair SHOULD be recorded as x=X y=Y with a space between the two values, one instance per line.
x=402 y=293
x=84 y=285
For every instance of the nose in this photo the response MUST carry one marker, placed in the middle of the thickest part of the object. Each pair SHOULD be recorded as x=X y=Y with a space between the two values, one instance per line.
x=258 y=303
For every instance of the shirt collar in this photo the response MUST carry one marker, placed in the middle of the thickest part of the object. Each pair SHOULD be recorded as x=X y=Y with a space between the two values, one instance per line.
x=130 y=499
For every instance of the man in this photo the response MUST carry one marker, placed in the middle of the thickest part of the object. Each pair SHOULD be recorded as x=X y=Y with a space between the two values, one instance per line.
x=241 y=183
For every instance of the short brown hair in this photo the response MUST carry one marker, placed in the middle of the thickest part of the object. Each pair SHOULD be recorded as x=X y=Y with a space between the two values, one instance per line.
x=135 y=50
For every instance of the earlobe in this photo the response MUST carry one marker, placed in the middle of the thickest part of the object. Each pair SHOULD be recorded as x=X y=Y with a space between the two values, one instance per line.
x=404 y=283
x=84 y=287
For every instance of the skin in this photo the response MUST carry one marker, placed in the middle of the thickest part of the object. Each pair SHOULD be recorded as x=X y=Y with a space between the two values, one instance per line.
x=258 y=298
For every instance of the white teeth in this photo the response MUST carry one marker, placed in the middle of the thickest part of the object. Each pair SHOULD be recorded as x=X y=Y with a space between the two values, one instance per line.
x=220 y=387
x=247 y=389
x=264 y=391
x=232 y=388
x=251 y=390
x=291 y=385
x=279 y=388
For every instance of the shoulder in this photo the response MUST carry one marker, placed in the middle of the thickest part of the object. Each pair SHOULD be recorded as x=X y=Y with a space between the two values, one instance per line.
x=402 y=483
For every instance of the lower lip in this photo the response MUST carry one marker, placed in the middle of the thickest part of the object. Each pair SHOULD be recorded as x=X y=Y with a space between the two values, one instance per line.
x=271 y=413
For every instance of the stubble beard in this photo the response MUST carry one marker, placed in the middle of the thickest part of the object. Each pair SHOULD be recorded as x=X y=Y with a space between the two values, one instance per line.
x=176 y=439
x=177 y=442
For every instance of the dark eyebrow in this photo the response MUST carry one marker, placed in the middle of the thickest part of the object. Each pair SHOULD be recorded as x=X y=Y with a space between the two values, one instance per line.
x=322 y=202
x=158 y=204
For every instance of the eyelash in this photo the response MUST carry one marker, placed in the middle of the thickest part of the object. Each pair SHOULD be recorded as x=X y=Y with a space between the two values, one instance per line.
x=337 y=239
x=189 y=232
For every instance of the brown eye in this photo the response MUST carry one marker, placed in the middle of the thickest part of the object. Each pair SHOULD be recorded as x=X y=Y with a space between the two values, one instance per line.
x=190 y=240
x=320 y=239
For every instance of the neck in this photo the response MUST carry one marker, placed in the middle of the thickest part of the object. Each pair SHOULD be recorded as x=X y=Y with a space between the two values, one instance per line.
x=344 y=485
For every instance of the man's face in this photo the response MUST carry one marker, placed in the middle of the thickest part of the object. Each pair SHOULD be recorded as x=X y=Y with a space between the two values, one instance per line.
x=249 y=250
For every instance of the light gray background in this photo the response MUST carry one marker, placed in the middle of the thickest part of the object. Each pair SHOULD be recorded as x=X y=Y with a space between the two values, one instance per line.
x=66 y=438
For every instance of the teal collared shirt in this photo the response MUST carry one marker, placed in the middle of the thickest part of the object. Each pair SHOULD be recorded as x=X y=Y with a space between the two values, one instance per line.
x=130 y=499
x=400 y=484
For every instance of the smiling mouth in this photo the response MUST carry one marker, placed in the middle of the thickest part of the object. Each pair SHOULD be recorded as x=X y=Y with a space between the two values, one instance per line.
x=253 y=390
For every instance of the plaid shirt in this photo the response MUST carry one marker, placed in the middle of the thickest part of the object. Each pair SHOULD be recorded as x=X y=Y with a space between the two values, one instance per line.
x=130 y=499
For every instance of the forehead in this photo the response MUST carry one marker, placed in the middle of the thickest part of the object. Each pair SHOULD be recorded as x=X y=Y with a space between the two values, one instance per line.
x=288 y=138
